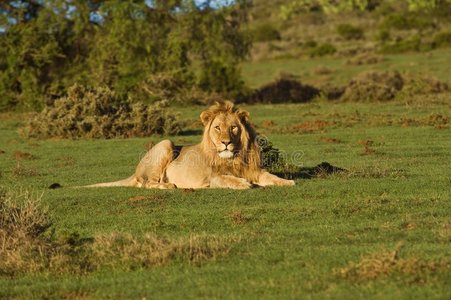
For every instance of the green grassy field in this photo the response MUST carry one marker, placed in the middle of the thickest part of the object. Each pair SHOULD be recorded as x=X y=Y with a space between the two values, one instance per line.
x=381 y=230
x=339 y=72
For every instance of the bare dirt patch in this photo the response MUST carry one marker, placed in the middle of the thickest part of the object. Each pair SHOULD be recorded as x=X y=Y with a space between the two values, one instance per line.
x=330 y=140
x=317 y=125
x=22 y=155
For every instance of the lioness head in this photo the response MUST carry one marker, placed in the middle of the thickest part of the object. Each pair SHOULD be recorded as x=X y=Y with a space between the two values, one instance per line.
x=225 y=129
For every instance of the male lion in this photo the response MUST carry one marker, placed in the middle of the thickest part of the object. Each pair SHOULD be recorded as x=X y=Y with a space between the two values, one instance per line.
x=227 y=157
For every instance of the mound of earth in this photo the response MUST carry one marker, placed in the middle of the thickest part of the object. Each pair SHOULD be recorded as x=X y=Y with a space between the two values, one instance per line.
x=282 y=90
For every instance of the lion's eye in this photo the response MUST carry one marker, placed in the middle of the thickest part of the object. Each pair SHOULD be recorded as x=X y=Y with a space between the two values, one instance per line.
x=217 y=128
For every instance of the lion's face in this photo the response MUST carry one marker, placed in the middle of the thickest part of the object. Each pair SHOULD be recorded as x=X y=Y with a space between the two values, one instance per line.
x=225 y=132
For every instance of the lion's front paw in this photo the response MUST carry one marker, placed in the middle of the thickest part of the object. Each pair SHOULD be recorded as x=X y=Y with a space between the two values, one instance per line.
x=285 y=182
x=242 y=184
x=166 y=186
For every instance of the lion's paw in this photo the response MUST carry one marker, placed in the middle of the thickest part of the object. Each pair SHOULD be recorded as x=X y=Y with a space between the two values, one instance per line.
x=243 y=184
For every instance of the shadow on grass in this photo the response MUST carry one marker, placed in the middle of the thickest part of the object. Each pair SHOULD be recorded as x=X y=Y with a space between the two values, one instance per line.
x=319 y=171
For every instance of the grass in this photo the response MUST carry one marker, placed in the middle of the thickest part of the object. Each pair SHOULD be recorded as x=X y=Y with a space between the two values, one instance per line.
x=335 y=236
x=430 y=63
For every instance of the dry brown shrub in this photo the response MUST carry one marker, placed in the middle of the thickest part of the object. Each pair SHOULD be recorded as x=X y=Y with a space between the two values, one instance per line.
x=388 y=263
x=22 y=223
x=373 y=86
x=99 y=113
x=420 y=85
x=167 y=87
x=385 y=86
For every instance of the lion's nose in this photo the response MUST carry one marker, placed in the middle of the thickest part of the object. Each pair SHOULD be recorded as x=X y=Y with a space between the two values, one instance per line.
x=226 y=142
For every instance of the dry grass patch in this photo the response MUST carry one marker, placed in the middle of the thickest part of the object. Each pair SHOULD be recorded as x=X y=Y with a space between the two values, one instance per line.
x=237 y=217
x=27 y=246
x=129 y=252
x=22 y=171
x=388 y=264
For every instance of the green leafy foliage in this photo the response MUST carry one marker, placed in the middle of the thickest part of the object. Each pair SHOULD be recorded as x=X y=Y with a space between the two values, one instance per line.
x=118 y=44
x=406 y=22
x=442 y=39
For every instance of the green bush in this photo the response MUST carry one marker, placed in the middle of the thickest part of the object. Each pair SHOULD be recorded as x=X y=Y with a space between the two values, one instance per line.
x=322 y=50
x=99 y=113
x=265 y=33
x=407 y=22
x=350 y=32
x=54 y=45
x=414 y=43
x=383 y=35
x=442 y=39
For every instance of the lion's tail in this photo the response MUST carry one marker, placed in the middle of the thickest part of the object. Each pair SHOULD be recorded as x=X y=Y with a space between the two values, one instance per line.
x=130 y=182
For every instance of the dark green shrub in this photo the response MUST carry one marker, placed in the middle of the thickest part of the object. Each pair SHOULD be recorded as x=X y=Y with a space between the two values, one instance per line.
x=309 y=44
x=99 y=113
x=350 y=32
x=407 y=21
x=322 y=50
x=221 y=77
x=442 y=39
x=53 y=45
x=413 y=43
x=265 y=33
x=383 y=35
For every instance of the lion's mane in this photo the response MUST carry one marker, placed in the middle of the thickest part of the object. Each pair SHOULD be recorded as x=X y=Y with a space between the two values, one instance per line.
x=247 y=160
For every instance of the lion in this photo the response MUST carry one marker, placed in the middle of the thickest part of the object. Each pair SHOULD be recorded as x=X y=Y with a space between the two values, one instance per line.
x=227 y=157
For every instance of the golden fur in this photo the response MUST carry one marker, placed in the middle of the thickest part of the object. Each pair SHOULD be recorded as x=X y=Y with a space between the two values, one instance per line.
x=227 y=157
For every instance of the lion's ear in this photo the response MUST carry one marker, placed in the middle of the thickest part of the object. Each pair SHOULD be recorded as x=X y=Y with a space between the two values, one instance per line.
x=244 y=116
x=205 y=117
